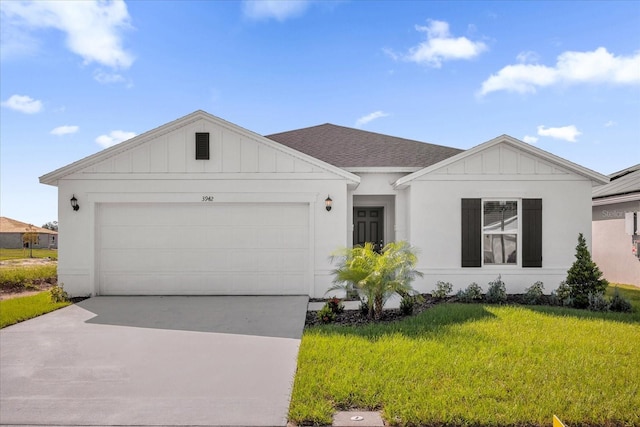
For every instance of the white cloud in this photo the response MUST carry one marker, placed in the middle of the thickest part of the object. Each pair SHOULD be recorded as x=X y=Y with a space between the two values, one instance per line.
x=277 y=9
x=610 y=123
x=440 y=46
x=530 y=139
x=566 y=133
x=598 y=66
x=64 y=130
x=93 y=28
x=107 y=78
x=114 y=137
x=24 y=104
x=528 y=57
x=369 y=118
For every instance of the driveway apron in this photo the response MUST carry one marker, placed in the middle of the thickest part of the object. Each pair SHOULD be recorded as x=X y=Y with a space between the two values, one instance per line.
x=214 y=361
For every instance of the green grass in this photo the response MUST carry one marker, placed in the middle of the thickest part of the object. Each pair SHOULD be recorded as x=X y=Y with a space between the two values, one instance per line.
x=477 y=365
x=7 y=254
x=16 y=310
x=630 y=292
x=23 y=276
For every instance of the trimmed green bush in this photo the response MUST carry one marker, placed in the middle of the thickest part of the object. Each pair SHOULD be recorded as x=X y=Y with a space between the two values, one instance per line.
x=473 y=293
x=497 y=292
x=443 y=289
x=620 y=303
x=534 y=293
x=326 y=315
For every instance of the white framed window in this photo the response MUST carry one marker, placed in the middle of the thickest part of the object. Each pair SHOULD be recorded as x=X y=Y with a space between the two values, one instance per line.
x=500 y=232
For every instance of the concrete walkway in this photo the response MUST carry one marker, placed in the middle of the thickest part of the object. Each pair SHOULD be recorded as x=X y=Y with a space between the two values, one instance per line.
x=153 y=361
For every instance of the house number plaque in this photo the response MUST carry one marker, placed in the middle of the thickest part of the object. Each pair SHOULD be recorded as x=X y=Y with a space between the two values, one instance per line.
x=207 y=198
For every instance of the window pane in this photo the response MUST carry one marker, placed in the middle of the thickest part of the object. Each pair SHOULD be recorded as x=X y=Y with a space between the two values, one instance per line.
x=500 y=248
x=500 y=216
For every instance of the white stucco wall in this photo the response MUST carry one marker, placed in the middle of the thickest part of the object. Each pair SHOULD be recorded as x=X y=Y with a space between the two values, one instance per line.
x=435 y=217
x=163 y=169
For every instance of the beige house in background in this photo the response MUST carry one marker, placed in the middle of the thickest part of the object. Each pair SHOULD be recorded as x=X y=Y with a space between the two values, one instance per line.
x=616 y=227
x=12 y=231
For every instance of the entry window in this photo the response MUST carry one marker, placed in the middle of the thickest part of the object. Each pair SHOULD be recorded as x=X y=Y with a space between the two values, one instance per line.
x=202 y=145
x=500 y=231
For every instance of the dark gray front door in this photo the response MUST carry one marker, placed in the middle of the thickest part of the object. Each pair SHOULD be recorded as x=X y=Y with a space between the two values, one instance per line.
x=368 y=227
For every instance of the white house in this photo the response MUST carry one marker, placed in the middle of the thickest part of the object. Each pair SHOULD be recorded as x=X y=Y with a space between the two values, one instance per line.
x=202 y=206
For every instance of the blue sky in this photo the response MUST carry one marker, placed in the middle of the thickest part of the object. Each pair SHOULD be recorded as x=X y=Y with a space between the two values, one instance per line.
x=77 y=77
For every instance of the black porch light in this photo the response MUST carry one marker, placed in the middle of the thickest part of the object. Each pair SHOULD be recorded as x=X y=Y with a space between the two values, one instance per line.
x=74 y=203
x=327 y=203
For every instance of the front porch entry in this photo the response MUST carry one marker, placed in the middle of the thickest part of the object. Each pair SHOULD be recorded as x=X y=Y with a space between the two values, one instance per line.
x=368 y=226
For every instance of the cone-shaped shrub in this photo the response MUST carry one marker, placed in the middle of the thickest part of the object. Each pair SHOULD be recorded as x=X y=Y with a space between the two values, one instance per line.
x=584 y=277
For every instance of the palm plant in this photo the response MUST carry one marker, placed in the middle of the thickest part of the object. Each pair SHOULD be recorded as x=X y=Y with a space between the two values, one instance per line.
x=376 y=276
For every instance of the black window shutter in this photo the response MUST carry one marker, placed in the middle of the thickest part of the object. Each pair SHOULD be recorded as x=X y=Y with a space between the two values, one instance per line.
x=471 y=232
x=532 y=232
x=202 y=145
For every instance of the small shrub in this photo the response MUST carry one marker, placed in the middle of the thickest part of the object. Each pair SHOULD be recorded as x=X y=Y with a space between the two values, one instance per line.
x=497 y=292
x=364 y=308
x=620 y=303
x=534 y=293
x=407 y=304
x=584 y=277
x=562 y=295
x=473 y=293
x=325 y=315
x=443 y=289
x=335 y=305
x=58 y=294
x=597 y=302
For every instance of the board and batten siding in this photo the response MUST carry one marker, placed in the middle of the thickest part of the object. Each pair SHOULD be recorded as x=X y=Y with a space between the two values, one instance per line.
x=158 y=176
x=445 y=219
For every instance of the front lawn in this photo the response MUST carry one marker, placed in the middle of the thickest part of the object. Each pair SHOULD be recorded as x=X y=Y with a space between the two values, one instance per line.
x=6 y=254
x=480 y=365
x=16 y=310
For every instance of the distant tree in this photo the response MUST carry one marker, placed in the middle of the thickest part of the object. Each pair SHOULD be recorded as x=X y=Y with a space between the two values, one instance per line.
x=52 y=225
x=30 y=238
x=584 y=277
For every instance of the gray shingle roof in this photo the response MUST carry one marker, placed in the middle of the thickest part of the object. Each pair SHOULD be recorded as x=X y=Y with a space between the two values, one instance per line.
x=347 y=147
x=625 y=181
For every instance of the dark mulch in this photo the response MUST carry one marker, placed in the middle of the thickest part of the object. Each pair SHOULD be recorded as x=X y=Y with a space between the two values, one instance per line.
x=356 y=318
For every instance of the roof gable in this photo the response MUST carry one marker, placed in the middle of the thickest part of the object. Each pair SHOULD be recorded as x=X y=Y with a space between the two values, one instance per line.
x=504 y=155
x=8 y=225
x=354 y=148
x=171 y=149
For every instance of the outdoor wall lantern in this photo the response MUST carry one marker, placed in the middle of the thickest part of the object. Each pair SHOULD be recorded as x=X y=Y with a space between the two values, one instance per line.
x=327 y=203
x=74 y=203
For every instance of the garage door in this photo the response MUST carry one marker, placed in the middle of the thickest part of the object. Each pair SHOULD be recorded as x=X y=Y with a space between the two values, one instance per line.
x=200 y=249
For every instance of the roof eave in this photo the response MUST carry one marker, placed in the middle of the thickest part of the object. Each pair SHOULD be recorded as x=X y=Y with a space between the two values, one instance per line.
x=52 y=178
x=595 y=177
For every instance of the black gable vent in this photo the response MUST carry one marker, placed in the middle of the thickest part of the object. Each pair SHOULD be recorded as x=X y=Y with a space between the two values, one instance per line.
x=202 y=145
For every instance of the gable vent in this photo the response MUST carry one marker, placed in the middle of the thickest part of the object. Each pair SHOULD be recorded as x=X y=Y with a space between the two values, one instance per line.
x=202 y=145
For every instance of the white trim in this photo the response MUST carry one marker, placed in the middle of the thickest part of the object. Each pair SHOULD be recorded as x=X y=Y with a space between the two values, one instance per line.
x=596 y=177
x=616 y=199
x=52 y=177
x=518 y=263
x=382 y=169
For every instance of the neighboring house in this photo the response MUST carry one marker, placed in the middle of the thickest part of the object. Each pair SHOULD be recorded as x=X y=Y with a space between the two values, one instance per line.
x=202 y=206
x=12 y=233
x=616 y=227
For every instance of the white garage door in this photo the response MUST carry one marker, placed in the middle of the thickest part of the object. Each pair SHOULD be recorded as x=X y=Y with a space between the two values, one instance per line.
x=201 y=249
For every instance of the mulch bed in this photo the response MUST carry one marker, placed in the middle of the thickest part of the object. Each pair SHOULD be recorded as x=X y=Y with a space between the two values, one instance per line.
x=355 y=318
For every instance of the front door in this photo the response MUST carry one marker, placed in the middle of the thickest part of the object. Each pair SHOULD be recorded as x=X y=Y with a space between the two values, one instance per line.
x=368 y=227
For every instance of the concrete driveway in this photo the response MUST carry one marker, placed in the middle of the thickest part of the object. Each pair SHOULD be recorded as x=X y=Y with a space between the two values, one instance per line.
x=214 y=361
